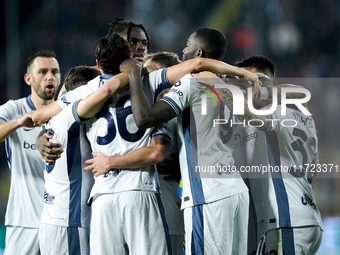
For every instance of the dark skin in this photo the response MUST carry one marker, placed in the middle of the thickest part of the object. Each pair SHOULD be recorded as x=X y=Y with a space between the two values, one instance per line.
x=148 y=115
x=162 y=112
x=49 y=151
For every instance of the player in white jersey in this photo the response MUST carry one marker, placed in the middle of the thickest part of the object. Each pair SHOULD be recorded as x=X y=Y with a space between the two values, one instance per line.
x=303 y=219
x=27 y=181
x=113 y=132
x=168 y=170
x=65 y=220
x=138 y=40
x=214 y=202
x=287 y=216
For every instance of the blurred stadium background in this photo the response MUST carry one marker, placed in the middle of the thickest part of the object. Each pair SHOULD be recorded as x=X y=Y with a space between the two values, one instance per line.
x=301 y=37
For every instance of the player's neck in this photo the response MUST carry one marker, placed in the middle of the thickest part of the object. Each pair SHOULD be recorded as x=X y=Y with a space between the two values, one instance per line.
x=37 y=101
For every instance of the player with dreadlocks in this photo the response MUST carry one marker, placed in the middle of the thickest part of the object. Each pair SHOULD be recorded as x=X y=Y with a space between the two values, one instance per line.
x=135 y=34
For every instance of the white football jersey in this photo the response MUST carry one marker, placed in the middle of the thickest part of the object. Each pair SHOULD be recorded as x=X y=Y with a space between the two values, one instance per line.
x=27 y=168
x=283 y=197
x=67 y=186
x=207 y=166
x=113 y=131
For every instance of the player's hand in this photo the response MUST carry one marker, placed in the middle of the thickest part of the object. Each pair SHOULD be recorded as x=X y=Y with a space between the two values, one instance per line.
x=207 y=78
x=130 y=65
x=99 y=164
x=253 y=80
x=26 y=120
x=49 y=151
x=256 y=84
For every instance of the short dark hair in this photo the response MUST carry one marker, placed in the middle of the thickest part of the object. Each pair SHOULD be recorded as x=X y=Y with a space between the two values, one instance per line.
x=164 y=58
x=111 y=51
x=262 y=63
x=214 y=43
x=118 y=26
x=43 y=54
x=79 y=75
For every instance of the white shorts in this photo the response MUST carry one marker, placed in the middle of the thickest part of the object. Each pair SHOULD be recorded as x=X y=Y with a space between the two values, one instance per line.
x=219 y=227
x=56 y=240
x=21 y=240
x=131 y=222
x=299 y=241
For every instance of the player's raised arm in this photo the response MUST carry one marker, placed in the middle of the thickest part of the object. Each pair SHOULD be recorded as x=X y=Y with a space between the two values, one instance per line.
x=115 y=85
x=176 y=72
x=91 y=104
x=44 y=113
x=144 y=114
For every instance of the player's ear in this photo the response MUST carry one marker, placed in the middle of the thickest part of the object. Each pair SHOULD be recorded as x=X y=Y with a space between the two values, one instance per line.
x=98 y=64
x=28 y=79
x=200 y=53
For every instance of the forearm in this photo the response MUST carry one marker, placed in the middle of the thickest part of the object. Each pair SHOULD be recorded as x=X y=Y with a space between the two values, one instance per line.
x=7 y=128
x=44 y=113
x=175 y=73
x=220 y=67
x=140 y=104
x=143 y=157
x=145 y=114
x=91 y=104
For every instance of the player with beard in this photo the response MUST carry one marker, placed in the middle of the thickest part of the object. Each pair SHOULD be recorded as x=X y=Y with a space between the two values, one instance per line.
x=25 y=202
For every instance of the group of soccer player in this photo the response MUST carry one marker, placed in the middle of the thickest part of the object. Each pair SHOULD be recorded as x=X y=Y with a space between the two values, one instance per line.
x=119 y=137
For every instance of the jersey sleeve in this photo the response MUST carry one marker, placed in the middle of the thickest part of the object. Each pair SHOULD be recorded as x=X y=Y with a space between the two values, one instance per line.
x=157 y=83
x=7 y=111
x=165 y=131
x=80 y=92
x=65 y=122
x=275 y=119
x=180 y=95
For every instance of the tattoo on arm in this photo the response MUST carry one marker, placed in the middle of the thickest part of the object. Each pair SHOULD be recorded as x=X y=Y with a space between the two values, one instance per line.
x=258 y=120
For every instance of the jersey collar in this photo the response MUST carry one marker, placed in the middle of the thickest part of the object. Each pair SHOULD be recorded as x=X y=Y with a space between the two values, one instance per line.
x=30 y=103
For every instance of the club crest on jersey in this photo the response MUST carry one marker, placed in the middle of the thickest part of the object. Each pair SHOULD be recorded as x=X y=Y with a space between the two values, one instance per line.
x=177 y=84
x=48 y=199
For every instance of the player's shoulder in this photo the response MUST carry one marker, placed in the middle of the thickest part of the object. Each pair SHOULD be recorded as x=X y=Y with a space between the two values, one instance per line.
x=15 y=102
x=21 y=105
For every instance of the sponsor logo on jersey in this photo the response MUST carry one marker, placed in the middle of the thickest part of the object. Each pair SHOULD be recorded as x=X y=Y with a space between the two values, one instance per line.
x=29 y=146
x=48 y=199
x=307 y=200
x=28 y=129
x=177 y=91
x=250 y=137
